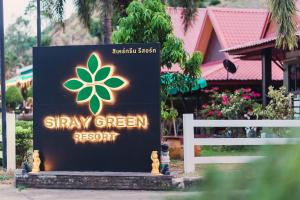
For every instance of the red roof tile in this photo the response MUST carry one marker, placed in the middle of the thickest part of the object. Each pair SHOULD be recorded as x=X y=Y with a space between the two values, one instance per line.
x=236 y=26
x=246 y=70
x=233 y=27
x=190 y=38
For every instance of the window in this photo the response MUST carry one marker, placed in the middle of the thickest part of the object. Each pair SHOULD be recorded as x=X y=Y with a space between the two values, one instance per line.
x=294 y=77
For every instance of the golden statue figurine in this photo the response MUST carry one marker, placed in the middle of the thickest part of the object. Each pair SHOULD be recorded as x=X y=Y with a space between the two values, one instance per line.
x=155 y=163
x=36 y=161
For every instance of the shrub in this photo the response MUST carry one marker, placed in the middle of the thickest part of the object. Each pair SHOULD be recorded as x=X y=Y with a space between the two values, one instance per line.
x=279 y=107
x=24 y=140
x=229 y=105
x=13 y=97
x=30 y=92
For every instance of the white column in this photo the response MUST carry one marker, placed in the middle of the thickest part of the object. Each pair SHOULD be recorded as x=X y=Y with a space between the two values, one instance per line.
x=11 y=141
x=188 y=142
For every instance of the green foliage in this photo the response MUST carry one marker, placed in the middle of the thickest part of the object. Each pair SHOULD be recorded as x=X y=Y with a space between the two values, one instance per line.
x=279 y=107
x=213 y=2
x=172 y=51
x=275 y=177
x=51 y=9
x=101 y=9
x=192 y=68
x=147 y=22
x=228 y=105
x=45 y=40
x=96 y=29
x=189 y=11
x=13 y=97
x=18 y=44
x=284 y=14
x=24 y=141
x=119 y=11
x=99 y=16
x=167 y=113
x=24 y=138
x=30 y=92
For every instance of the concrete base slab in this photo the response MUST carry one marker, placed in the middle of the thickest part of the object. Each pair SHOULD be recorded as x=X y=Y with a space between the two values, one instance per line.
x=93 y=180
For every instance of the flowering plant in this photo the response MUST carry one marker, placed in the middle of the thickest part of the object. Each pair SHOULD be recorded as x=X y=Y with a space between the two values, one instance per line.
x=229 y=105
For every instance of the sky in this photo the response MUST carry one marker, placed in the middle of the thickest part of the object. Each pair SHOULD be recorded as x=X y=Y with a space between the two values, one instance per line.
x=15 y=8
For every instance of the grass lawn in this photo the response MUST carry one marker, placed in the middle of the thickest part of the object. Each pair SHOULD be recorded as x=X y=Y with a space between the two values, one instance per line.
x=176 y=167
x=217 y=151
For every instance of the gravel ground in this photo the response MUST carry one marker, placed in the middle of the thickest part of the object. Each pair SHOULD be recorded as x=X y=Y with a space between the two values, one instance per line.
x=9 y=192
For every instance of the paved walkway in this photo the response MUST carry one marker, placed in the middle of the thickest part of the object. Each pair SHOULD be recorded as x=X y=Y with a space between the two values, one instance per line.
x=8 y=192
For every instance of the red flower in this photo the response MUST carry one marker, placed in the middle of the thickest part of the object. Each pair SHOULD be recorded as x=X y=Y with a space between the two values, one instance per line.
x=225 y=100
x=210 y=113
x=215 y=88
x=218 y=113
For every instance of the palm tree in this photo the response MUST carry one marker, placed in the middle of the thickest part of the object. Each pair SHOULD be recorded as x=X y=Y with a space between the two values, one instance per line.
x=284 y=14
x=85 y=9
x=189 y=12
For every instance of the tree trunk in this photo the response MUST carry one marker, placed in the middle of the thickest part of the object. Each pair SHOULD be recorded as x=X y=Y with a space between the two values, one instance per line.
x=173 y=120
x=107 y=20
x=107 y=29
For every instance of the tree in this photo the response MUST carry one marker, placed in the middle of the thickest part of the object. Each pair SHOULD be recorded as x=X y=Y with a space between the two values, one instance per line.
x=149 y=22
x=86 y=10
x=13 y=97
x=189 y=11
x=284 y=14
x=18 y=44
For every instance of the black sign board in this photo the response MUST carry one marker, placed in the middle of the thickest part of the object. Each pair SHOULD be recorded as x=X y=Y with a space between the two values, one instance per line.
x=97 y=108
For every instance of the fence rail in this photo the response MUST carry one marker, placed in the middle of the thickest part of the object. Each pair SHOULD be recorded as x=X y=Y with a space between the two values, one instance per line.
x=189 y=123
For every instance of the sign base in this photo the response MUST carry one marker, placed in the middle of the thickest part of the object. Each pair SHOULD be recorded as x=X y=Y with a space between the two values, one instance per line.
x=94 y=180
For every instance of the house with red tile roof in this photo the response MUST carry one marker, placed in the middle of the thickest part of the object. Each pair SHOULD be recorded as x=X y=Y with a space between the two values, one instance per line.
x=215 y=29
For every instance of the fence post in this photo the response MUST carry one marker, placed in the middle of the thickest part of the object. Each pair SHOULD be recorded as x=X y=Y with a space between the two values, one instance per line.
x=11 y=142
x=188 y=142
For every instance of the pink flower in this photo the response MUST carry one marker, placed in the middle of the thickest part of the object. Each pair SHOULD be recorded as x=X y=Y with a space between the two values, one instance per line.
x=206 y=91
x=215 y=88
x=225 y=100
x=246 y=97
x=255 y=94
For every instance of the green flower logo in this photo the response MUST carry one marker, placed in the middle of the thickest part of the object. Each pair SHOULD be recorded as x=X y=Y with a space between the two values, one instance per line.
x=94 y=84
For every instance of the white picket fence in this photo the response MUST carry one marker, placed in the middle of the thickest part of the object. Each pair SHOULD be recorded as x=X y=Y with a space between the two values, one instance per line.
x=11 y=141
x=189 y=123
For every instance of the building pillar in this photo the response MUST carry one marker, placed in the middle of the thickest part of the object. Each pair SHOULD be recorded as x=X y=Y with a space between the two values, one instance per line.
x=266 y=74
